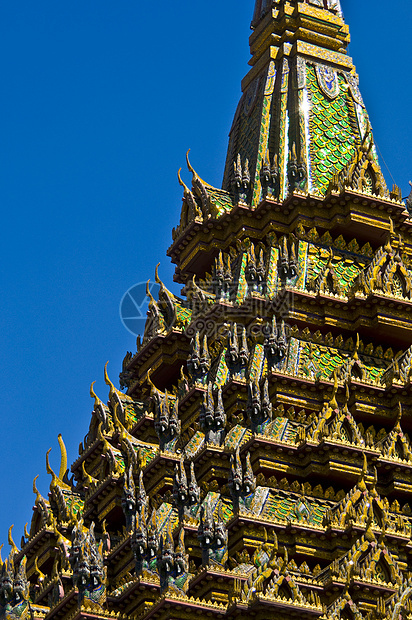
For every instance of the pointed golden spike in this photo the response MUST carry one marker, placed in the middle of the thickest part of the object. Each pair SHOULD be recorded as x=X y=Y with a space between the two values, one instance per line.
x=117 y=422
x=347 y=392
x=390 y=238
x=399 y=416
x=189 y=165
x=285 y=561
x=107 y=380
x=365 y=466
x=11 y=542
x=50 y=471
x=58 y=481
x=26 y=531
x=185 y=187
x=157 y=279
x=124 y=433
x=333 y=402
x=36 y=491
x=153 y=388
x=63 y=459
x=356 y=351
x=195 y=176
x=41 y=575
x=149 y=294
x=275 y=541
x=375 y=478
x=99 y=432
x=364 y=473
x=94 y=395
x=90 y=480
x=1 y=560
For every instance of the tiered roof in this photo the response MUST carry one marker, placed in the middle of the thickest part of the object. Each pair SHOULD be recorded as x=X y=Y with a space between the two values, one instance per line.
x=259 y=463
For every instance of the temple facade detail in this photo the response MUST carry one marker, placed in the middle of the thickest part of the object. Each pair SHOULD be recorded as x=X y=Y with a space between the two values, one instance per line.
x=256 y=461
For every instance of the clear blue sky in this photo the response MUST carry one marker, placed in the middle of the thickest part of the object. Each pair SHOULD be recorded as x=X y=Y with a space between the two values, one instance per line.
x=100 y=101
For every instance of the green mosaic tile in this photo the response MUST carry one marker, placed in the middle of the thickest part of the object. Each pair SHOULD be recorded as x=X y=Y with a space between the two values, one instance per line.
x=133 y=411
x=222 y=372
x=221 y=199
x=242 y=287
x=272 y=280
x=333 y=142
x=183 y=316
x=345 y=267
x=75 y=503
x=258 y=363
x=237 y=436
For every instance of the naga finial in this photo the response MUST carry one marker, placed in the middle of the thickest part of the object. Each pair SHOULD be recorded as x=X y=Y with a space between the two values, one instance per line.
x=93 y=394
x=63 y=457
x=14 y=548
x=157 y=279
x=189 y=165
x=103 y=523
x=41 y=576
x=100 y=432
x=89 y=479
x=185 y=187
x=36 y=491
x=153 y=388
x=117 y=423
x=107 y=380
x=1 y=560
x=58 y=480
x=152 y=303
x=49 y=469
x=180 y=178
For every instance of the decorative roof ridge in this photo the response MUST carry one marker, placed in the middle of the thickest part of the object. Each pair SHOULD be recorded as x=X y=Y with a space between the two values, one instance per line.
x=298 y=604
x=32 y=540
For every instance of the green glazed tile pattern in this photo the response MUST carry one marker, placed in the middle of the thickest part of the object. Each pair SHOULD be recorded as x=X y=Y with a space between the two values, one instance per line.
x=333 y=142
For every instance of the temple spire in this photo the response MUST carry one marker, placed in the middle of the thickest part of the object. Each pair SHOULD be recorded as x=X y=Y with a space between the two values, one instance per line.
x=262 y=7
x=301 y=107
